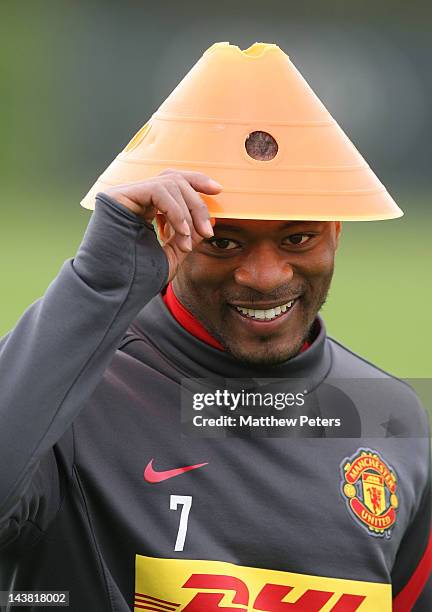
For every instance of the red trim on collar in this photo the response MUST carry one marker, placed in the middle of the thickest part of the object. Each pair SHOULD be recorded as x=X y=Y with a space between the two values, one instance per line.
x=187 y=320
x=191 y=324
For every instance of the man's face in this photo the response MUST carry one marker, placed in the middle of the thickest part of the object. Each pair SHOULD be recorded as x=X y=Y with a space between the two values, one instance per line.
x=257 y=286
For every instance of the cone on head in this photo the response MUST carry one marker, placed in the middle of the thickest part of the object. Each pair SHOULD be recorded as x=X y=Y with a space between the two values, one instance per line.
x=313 y=172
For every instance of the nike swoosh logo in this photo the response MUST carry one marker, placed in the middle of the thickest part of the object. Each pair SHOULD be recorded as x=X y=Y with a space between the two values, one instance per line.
x=152 y=476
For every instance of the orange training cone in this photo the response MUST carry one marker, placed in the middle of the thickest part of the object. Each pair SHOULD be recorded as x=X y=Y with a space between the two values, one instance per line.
x=204 y=124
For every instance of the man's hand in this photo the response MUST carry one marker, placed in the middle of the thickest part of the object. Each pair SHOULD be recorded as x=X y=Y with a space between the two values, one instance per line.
x=175 y=195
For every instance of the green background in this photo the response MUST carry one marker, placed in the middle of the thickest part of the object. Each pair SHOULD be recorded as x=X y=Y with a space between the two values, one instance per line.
x=78 y=79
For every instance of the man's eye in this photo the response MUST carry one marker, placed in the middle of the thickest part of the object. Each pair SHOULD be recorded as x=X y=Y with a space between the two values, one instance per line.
x=223 y=244
x=298 y=238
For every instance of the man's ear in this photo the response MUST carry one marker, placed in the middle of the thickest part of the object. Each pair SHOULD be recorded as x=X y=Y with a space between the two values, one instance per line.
x=338 y=229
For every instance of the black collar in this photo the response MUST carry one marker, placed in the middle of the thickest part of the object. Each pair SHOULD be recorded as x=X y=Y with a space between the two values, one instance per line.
x=193 y=358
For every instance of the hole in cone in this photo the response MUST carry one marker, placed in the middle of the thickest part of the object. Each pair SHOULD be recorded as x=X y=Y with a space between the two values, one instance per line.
x=261 y=146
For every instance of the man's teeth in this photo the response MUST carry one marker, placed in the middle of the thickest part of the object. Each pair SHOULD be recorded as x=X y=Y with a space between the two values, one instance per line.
x=267 y=315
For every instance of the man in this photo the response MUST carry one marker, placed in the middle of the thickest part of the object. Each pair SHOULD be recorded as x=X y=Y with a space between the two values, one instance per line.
x=107 y=490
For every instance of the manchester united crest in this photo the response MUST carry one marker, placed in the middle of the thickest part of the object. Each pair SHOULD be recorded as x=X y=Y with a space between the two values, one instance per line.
x=369 y=487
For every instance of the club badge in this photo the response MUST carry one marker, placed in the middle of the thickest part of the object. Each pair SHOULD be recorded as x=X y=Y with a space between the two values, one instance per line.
x=369 y=487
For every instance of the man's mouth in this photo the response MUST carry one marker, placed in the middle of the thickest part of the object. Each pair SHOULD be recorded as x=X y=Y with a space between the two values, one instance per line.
x=268 y=314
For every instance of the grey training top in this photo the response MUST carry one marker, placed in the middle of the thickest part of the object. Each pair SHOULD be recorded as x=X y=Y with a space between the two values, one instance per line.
x=93 y=436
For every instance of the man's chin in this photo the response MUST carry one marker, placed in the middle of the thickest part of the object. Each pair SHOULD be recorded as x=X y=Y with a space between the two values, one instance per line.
x=264 y=355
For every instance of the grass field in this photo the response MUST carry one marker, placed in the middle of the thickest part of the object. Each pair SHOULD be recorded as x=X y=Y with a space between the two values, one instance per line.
x=380 y=299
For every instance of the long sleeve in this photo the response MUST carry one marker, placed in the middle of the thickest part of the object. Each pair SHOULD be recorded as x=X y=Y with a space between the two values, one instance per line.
x=53 y=359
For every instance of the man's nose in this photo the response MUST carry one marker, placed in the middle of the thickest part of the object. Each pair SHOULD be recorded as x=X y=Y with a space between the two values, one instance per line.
x=265 y=268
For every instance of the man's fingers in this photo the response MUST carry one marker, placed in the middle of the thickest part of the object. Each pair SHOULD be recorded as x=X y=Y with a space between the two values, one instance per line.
x=176 y=194
x=175 y=214
x=174 y=189
x=199 y=181
x=198 y=210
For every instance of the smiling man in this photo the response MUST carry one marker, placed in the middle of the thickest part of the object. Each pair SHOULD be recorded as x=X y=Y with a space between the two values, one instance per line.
x=257 y=286
x=106 y=500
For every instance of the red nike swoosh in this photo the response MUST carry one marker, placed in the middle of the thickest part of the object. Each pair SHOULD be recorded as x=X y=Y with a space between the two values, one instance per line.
x=150 y=475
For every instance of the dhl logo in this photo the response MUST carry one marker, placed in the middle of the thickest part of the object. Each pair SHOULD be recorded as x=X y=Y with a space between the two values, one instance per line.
x=184 y=585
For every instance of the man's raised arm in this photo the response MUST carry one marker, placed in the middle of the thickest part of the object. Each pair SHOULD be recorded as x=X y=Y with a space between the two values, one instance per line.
x=53 y=359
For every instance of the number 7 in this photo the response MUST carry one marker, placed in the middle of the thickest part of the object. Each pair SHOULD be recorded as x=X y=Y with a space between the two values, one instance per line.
x=186 y=502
